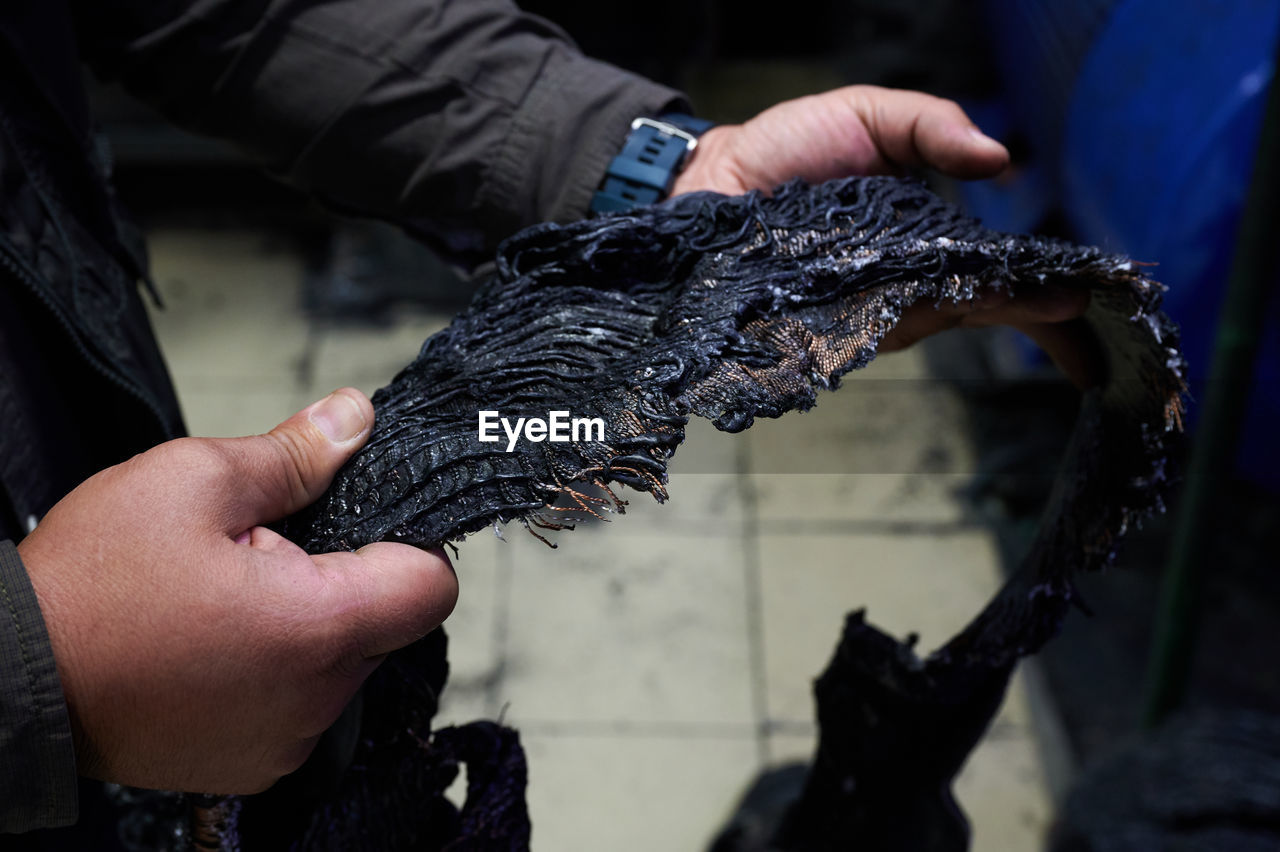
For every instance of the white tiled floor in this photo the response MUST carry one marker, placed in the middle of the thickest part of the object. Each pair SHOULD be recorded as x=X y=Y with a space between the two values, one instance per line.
x=653 y=664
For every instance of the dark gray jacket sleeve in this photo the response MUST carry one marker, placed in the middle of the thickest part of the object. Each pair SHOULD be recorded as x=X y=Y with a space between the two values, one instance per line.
x=37 y=758
x=461 y=120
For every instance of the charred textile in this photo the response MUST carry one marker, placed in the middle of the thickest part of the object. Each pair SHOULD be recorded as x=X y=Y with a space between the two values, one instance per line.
x=732 y=309
x=727 y=308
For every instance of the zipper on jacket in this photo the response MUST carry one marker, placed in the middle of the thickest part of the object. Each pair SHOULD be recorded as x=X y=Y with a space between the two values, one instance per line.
x=20 y=272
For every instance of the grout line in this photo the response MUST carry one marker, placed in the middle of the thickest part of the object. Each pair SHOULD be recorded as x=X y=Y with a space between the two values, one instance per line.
x=305 y=366
x=703 y=526
x=838 y=526
x=754 y=585
x=502 y=582
x=236 y=381
x=1049 y=731
x=791 y=727
x=622 y=729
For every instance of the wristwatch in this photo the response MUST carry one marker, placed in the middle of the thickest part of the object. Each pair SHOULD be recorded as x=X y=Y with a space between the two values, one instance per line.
x=654 y=153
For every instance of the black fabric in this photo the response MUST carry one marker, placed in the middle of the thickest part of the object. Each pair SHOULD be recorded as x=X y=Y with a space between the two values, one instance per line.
x=733 y=308
x=64 y=420
x=729 y=308
x=894 y=732
x=85 y=386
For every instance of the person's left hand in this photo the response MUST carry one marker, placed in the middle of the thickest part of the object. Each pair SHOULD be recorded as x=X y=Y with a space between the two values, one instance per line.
x=864 y=130
x=856 y=130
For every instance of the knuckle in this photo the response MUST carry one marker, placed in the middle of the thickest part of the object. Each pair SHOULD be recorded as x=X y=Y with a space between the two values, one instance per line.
x=292 y=462
x=194 y=461
x=940 y=105
x=196 y=453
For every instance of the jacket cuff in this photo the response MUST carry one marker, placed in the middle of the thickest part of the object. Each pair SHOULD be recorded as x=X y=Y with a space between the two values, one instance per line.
x=571 y=123
x=37 y=757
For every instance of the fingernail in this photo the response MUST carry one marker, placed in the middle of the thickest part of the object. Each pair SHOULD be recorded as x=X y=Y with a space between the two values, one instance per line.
x=983 y=139
x=339 y=417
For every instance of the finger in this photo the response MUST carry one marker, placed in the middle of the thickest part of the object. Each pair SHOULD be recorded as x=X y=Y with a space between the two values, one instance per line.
x=1049 y=315
x=916 y=323
x=915 y=129
x=1038 y=304
x=290 y=467
x=925 y=318
x=1072 y=347
x=388 y=595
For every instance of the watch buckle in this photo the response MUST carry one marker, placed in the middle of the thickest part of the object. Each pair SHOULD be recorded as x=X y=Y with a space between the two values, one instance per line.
x=690 y=141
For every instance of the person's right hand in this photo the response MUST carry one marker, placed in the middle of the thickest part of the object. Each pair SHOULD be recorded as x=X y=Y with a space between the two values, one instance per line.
x=198 y=650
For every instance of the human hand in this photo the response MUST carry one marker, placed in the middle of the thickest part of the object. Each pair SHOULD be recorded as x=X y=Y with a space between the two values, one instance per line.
x=862 y=130
x=198 y=650
x=855 y=130
x=1048 y=315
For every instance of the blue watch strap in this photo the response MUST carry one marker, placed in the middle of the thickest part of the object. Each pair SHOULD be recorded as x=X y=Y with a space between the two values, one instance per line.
x=652 y=156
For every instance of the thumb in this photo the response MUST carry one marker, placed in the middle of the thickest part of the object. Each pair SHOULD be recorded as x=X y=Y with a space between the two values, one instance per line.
x=917 y=129
x=386 y=595
x=289 y=468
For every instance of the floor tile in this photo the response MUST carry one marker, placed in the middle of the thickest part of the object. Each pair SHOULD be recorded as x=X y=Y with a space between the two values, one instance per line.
x=231 y=307
x=474 y=660
x=787 y=748
x=1003 y=792
x=369 y=356
x=219 y=412
x=633 y=794
x=1016 y=711
x=931 y=585
x=897 y=426
x=812 y=501
x=637 y=626
x=707 y=449
x=698 y=504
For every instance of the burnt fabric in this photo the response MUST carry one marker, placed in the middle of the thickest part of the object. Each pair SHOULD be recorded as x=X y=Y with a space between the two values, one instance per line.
x=728 y=308
x=732 y=308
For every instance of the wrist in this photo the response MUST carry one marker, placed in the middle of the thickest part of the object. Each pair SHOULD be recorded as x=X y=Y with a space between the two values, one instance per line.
x=653 y=155
x=713 y=165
